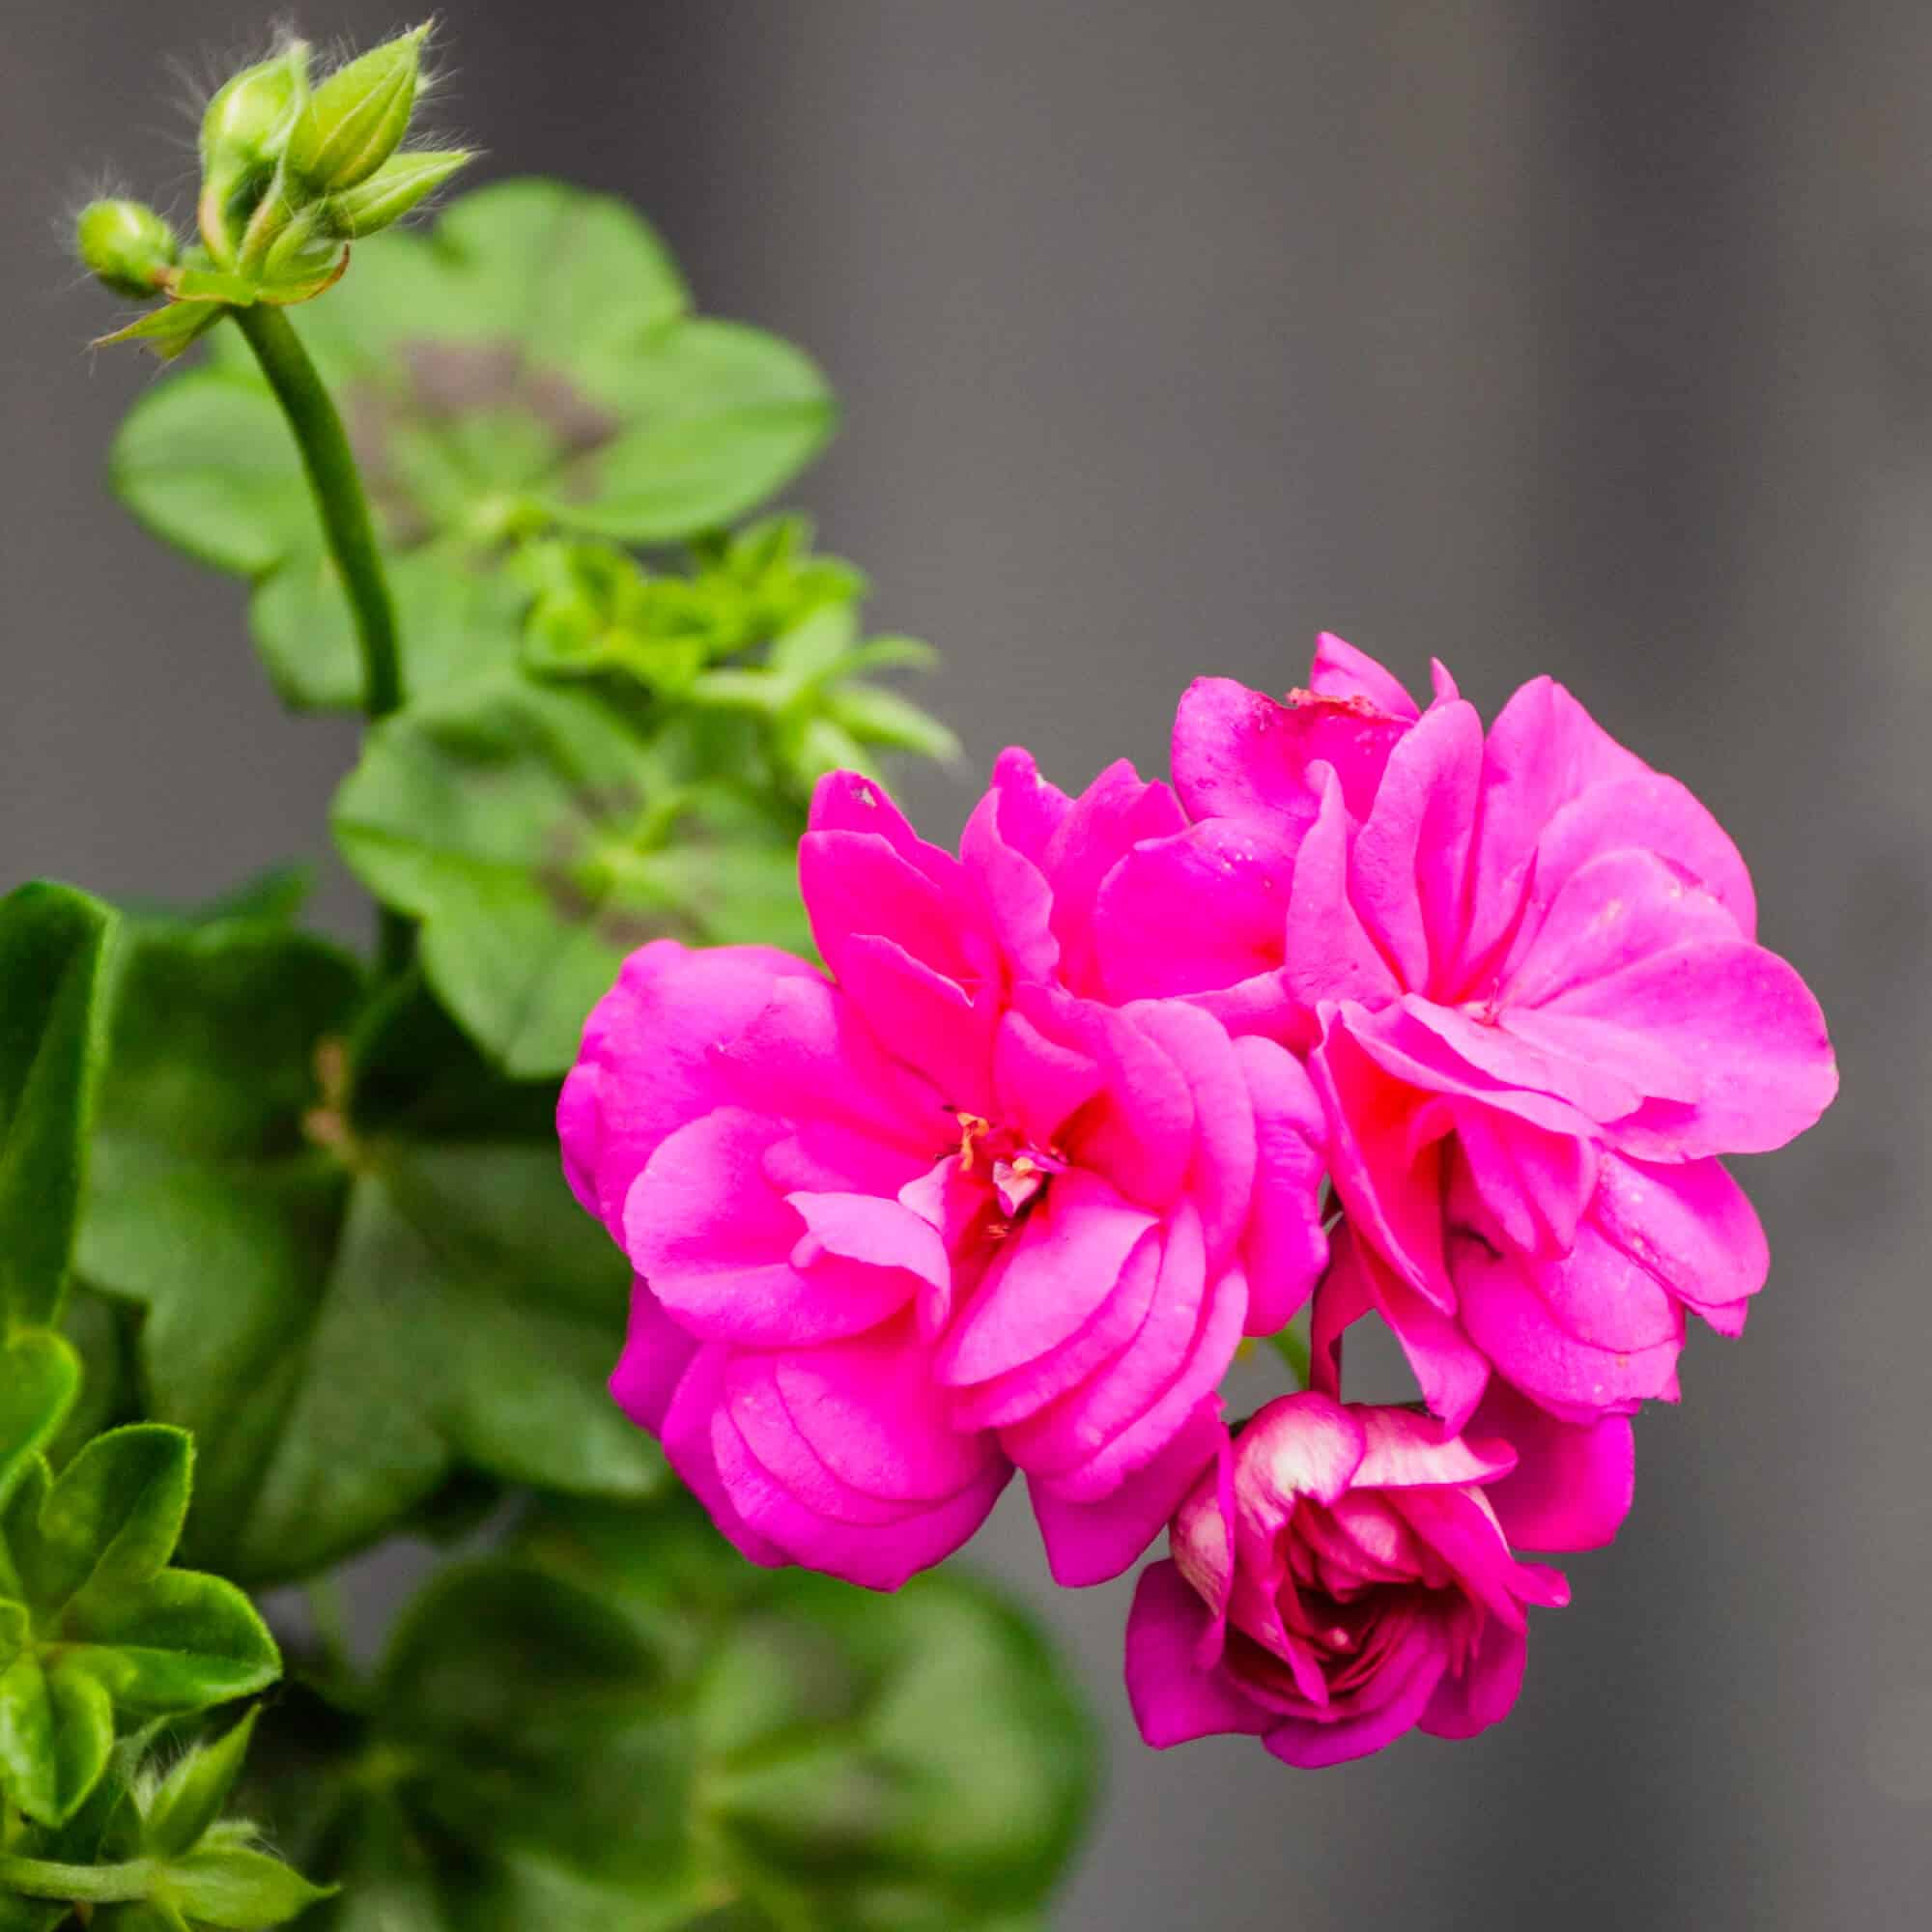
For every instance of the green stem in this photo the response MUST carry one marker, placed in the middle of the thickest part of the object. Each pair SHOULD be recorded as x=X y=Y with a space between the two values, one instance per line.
x=1292 y=1344
x=86 y=1885
x=347 y=524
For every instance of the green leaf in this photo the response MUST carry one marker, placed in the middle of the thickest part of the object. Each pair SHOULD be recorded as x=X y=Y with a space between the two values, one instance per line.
x=39 y=1377
x=207 y=462
x=108 y=1524
x=529 y=357
x=52 y=944
x=619 y=1722
x=455 y=619
x=193 y=1794
x=361 y=1267
x=718 y=417
x=56 y=1735
x=539 y=841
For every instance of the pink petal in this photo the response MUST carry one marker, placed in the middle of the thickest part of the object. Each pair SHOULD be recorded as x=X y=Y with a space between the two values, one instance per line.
x=1340 y=670
x=1298 y=1446
x=1327 y=953
x=1174 y=1699
x=1543 y=751
x=1744 y=1021
x=1222 y=1171
x=1232 y=876
x=1065 y=1262
x=721 y=1249
x=1619 y=908
x=645 y=1066
x=1691 y=1226
x=1090 y=1542
x=1571 y=1487
x=1406 y=874
x=688 y=1446
x=1484 y=1691
x=1002 y=850
x=1536 y=1184
x=657 y=1352
x=1461 y=1528
x=1310 y=1743
x=1117 y=813
x=1513 y=1325
x=1287 y=1248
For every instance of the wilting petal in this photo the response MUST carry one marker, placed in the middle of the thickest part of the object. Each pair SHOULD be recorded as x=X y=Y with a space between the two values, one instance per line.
x=1340 y=670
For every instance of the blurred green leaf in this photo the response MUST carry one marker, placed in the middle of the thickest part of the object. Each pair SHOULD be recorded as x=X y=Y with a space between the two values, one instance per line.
x=619 y=1722
x=53 y=942
x=539 y=839
x=359 y=1266
x=530 y=363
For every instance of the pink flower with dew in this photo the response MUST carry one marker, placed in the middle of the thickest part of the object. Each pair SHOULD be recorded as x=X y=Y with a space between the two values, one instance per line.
x=948 y=1213
x=1342 y=1575
x=1524 y=967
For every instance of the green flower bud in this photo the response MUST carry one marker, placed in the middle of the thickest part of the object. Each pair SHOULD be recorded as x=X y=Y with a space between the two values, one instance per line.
x=251 y=115
x=126 y=245
x=392 y=191
x=357 y=118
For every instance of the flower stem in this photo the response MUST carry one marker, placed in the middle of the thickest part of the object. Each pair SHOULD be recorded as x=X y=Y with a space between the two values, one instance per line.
x=351 y=533
x=91 y=1884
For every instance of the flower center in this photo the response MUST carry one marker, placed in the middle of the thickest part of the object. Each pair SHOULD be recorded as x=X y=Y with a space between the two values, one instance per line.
x=1008 y=1164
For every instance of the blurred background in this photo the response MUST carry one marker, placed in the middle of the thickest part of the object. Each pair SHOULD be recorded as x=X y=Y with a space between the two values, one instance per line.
x=1535 y=334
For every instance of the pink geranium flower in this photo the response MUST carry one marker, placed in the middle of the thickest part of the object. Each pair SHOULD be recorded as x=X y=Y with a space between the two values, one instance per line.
x=948 y=1211
x=1340 y=1576
x=1523 y=966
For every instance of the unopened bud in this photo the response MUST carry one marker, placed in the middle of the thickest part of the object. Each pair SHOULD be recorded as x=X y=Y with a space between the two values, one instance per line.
x=251 y=116
x=125 y=245
x=398 y=186
x=357 y=118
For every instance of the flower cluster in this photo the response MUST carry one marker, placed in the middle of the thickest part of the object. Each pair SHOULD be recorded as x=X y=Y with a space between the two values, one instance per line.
x=1007 y=1184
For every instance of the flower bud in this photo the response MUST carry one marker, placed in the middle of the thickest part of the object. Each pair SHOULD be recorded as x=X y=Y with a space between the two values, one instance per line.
x=357 y=118
x=249 y=117
x=125 y=245
x=398 y=186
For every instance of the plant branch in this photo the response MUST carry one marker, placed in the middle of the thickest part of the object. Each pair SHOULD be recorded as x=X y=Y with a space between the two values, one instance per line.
x=345 y=523
x=89 y=1885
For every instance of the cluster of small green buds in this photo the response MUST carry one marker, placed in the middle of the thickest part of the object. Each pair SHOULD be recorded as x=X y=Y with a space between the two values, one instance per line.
x=293 y=169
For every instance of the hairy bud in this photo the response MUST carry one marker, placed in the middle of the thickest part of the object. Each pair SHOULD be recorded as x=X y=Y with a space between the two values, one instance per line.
x=125 y=245
x=398 y=184
x=251 y=115
x=357 y=118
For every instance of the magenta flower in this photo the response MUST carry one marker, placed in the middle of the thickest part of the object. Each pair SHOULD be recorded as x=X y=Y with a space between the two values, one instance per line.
x=948 y=1213
x=1340 y=1576
x=1524 y=970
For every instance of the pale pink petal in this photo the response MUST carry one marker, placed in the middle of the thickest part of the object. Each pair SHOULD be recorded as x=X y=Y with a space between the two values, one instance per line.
x=1405 y=1449
x=1571 y=1486
x=1174 y=1699
x=1298 y=1445
x=1090 y=1542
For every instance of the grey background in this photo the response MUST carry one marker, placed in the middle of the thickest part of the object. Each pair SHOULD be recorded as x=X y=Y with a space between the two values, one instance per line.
x=1568 y=336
